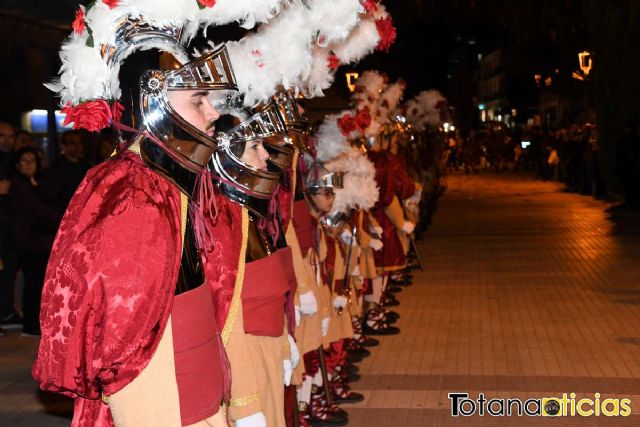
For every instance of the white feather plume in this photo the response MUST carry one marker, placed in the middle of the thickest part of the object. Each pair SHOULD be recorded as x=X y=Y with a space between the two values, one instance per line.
x=85 y=75
x=392 y=95
x=334 y=19
x=361 y=42
x=321 y=77
x=368 y=89
x=247 y=12
x=330 y=140
x=360 y=190
x=282 y=52
x=275 y=55
x=424 y=110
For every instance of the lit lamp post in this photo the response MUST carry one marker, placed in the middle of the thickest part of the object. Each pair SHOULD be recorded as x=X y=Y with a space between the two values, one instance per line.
x=351 y=80
x=585 y=61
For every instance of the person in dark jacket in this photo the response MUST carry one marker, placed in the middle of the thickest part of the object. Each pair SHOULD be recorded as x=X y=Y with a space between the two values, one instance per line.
x=8 y=260
x=33 y=227
x=67 y=173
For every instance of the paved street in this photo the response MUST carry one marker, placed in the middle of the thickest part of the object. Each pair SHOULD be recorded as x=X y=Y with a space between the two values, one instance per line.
x=528 y=292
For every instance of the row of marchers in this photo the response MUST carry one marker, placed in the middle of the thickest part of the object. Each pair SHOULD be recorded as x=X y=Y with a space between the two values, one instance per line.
x=229 y=264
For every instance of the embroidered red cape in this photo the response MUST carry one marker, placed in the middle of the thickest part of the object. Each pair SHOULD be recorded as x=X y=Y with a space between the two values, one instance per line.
x=109 y=286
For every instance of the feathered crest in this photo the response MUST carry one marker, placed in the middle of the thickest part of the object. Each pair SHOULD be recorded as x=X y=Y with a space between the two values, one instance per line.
x=89 y=71
x=281 y=53
x=369 y=88
x=374 y=25
x=359 y=185
x=426 y=109
x=391 y=97
x=331 y=141
x=337 y=130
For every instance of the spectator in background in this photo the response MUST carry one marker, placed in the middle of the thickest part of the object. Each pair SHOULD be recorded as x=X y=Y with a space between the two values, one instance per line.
x=70 y=169
x=106 y=145
x=23 y=139
x=8 y=260
x=33 y=228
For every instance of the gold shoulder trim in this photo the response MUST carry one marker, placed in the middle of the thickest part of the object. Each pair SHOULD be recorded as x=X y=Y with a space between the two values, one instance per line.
x=237 y=290
x=184 y=211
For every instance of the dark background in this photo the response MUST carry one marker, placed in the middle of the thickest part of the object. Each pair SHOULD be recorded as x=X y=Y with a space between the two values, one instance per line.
x=438 y=46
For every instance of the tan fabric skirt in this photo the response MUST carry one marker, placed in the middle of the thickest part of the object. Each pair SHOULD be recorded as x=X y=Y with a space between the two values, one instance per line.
x=267 y=355
x=152 y=399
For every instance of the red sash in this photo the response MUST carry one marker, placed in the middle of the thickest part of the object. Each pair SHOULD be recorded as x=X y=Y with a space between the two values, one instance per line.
x=305 y=225
x=197 y=354
x=266 y=283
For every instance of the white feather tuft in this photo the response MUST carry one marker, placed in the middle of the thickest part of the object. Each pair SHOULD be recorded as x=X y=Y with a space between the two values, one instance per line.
x=248 y=12
x=392 y=95
x=360 y=190
x=368 y=88
x=334 y=19
x=84 y=75
x=425 y=109
x=360 y=43
x=260 y=62
x=263 y=64
x=321 y=76
x=331 y=141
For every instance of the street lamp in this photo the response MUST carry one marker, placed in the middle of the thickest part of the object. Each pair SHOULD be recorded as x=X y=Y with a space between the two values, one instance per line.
x=585 y=62
x=351 y=80
x=537 y=77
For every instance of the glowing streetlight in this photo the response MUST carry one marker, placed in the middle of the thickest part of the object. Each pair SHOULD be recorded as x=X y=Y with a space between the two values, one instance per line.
x=538 y=78
x=351 y=80
x=585 y=61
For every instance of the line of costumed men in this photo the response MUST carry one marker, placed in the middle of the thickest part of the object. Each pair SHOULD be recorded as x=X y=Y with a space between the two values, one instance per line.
x=225 y=265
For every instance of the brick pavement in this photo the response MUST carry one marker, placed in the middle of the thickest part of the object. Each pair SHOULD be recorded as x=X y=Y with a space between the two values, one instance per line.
x=528 y=292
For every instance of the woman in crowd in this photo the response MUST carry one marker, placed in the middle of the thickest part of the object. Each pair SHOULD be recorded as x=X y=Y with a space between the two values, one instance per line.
x=35 y=222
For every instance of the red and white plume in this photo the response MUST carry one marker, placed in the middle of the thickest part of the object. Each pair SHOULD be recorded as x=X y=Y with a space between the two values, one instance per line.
x=336 y=154
x=427 y=109
x=281 y=53
x=88 y=78
x=374 y=31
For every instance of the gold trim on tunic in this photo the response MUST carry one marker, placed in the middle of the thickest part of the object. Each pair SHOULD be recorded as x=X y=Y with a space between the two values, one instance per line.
x=237 y=290
x=245 y=400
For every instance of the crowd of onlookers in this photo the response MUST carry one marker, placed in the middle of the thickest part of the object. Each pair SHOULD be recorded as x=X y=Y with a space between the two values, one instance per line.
x=567 y=154
x=34 y=193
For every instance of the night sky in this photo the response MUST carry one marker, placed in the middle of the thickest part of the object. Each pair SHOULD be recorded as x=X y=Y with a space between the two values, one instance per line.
x=430 y=33
x=439 y=44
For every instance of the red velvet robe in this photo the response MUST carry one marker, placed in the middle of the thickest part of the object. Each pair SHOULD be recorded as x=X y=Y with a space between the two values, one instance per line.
x=392 y=180
x=109 y=286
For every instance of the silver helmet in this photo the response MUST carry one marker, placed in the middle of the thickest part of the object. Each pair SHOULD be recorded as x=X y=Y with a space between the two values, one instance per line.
x=190 y=146
x=317 y=179
x=239 y=181
x=152 y=62
x=298 y=127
